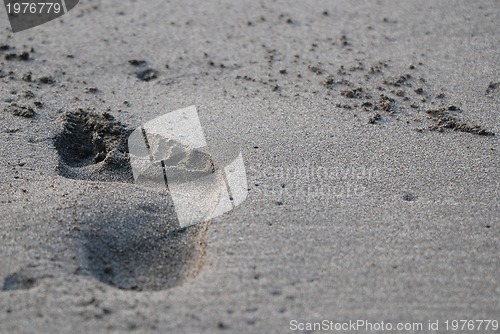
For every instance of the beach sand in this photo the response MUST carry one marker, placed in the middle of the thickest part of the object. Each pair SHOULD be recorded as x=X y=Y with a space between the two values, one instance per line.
x=369 y=132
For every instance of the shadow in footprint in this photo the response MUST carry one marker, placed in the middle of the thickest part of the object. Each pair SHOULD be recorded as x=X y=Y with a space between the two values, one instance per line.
x=133 y=256
x=93 y=146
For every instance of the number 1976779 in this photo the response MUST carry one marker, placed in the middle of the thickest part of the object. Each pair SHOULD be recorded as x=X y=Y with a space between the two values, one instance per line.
x=33 y=8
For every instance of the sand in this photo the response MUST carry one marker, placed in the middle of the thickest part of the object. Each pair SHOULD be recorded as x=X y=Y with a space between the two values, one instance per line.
x=369 y=132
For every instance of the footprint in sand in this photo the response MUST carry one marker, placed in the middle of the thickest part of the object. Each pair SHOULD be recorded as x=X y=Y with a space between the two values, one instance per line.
x=156 y=242
x=148 y=252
